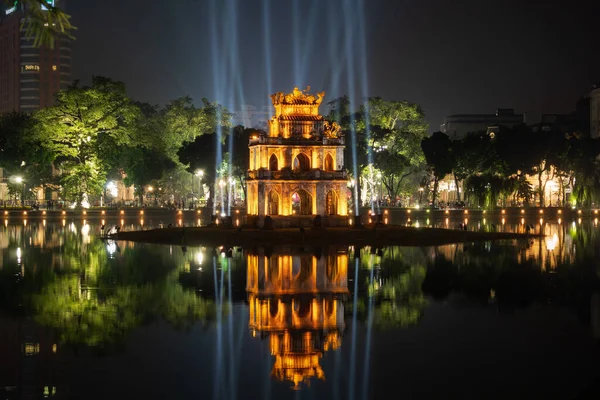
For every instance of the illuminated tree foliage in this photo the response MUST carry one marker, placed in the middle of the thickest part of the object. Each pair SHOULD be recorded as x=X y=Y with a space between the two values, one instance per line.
x=81 y=130
x=21 y=154
x=391 y=131
x=43 y=21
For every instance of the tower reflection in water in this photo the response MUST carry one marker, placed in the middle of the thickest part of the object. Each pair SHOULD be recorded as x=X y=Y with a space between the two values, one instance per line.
x=296 y=299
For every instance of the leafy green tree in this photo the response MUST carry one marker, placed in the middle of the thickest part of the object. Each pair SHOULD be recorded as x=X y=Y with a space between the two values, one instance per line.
x=84 y=125
x=44 y=22
x=142 y=166
x=184 y=122
x=391 y=131
x=22 y=155
x=437 y=150
x=240 y=136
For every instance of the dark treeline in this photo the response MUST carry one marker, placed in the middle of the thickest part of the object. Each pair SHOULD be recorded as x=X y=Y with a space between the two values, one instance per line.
x=517 y=166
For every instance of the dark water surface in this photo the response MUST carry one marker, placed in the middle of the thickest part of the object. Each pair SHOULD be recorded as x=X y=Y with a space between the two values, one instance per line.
x=84 y=318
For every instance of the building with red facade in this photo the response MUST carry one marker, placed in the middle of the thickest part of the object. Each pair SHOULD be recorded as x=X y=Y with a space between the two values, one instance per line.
x=29 y=76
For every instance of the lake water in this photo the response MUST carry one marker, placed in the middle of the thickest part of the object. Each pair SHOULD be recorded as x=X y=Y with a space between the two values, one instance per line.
x=84 y=318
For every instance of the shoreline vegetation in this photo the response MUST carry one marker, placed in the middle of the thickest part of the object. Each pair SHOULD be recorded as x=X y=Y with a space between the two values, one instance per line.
x=379 y=236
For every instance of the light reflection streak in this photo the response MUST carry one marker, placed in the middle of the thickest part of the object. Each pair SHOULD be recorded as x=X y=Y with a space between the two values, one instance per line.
x=219 y=350
x=354 y=327
x=370 y=312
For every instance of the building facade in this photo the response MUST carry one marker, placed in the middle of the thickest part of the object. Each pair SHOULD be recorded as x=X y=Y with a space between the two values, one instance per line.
x=459 y=125
x=595 y=112
x=297 y=168
x=30 y=76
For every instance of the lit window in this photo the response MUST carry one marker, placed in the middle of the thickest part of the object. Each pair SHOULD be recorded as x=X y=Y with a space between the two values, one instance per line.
x=54 y=68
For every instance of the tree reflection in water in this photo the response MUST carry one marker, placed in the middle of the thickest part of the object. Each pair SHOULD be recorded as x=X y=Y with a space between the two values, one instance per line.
x=96 y=293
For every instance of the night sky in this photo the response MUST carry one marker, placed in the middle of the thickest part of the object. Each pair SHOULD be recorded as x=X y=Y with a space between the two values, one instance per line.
x=449 y=56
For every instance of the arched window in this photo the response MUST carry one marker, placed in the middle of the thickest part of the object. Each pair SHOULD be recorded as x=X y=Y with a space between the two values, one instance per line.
x=273 y=164
x=301 y=202
x=331 y=203
x=301 y=162
x=273 y=205
x=328 y=163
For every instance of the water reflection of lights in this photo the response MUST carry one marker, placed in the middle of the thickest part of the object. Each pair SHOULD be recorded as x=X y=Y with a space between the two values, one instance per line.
x=200 y=258
x=111 y=247
x=72 y=227
x=18 y=255
x=85 y=229
x=24 y=222
x=64 y=222
x=551 y=242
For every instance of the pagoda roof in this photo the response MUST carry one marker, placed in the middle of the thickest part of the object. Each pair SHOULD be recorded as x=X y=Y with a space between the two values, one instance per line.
x=300 y=117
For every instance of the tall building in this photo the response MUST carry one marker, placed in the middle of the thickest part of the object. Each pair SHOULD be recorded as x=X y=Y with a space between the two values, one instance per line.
x=459 y=125
x=298 y=167
x=595 y=112
x=29 y=76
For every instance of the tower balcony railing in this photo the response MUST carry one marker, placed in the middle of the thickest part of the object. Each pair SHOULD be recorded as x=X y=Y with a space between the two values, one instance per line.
x=297 y=140
x=290 y=174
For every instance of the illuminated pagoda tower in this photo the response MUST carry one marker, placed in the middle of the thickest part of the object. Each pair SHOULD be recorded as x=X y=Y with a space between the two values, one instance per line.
x=298 y=167
x=296 y=301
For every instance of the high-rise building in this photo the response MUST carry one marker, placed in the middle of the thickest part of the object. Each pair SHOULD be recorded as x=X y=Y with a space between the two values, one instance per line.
x=30 y=76
x=460 y=125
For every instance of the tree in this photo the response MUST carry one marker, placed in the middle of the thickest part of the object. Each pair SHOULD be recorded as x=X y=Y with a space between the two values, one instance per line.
x=201 y=154
x=240 y=137
x=391 y=131
x=22 y=155
x=439 y=158
x=84 y=125
x=184 y=122
x=143 y=165
x=44 y=22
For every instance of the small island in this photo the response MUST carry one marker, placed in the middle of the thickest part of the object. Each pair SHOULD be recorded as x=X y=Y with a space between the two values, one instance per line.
x=379 y=236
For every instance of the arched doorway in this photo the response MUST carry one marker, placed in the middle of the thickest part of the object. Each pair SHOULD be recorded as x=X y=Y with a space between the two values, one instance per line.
x=301 y=202
x=301 y=162
x=331 y=202
x=273 y=163
x=328 y=163
x=273 y=203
